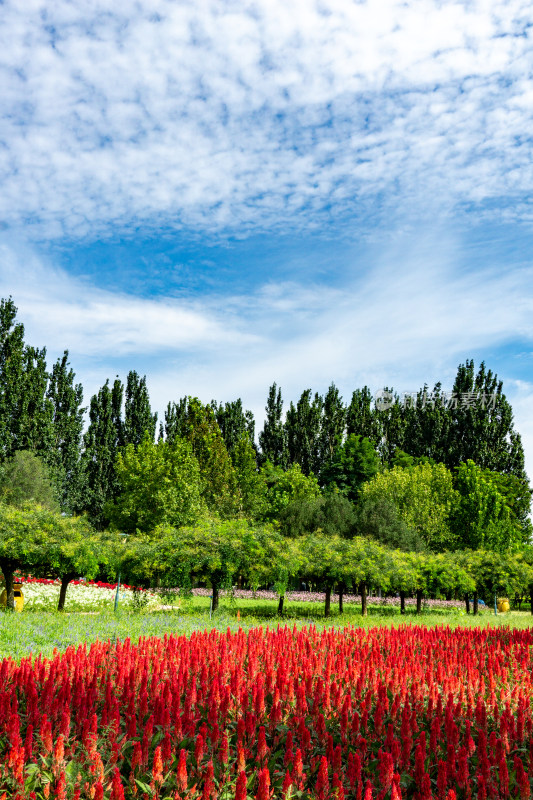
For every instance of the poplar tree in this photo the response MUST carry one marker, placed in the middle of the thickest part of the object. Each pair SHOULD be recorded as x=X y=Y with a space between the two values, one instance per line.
x=361 y=416
x=303 y=432
x=234 y=423
x=138 y=418
x=101 y=442
x=332 y=425
x=273 y=437
x=64 y=458
x=25 y=412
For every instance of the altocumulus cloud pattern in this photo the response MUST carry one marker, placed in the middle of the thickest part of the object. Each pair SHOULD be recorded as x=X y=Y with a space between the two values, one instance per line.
x=242 y=115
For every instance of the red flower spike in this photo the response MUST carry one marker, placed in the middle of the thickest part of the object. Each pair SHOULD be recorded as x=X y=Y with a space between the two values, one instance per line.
x=287 y=784
x=263 y=790
x=322 y=784
x=240 y=787
x=182 y=778
x=157 y=769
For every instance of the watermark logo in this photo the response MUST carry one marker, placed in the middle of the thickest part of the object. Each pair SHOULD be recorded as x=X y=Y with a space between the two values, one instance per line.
x=385 y=399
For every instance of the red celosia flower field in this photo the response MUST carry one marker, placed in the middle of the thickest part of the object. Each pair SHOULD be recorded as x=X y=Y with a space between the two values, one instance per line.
x=407 y=713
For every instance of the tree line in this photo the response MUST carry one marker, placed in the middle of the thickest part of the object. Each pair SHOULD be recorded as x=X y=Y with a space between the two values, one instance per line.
x=222 y=553
x=430 y=473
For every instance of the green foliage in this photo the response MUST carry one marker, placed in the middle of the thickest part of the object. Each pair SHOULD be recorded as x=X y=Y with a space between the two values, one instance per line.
x=139 y=421
x=273 y=437
x=158 y=484
x=302 y=426
x=26 y=478
x=101 y=443
x=220 y=485
x=64 y=455
x=481 y=517
x=378 y=518
x=285 y=486
x=235 y=424
x=325 y=558
x=45 y=542
x=353 y=463
x=25 y=412
x=517 y=496
x=250 y=482
x=424 y=496
x=217 y=551
x=332 y=426
x=362 y=418
x=332 y=513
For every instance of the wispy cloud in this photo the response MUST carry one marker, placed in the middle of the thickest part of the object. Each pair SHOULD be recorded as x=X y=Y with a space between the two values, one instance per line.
x=268 y=115
x=410 y=320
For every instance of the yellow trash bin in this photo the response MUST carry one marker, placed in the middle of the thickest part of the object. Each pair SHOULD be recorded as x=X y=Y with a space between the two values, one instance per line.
x=18 y=597
x=503 y=605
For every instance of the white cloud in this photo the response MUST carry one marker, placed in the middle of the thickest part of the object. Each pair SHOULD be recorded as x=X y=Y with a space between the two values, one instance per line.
x=411 y=319
x=266 y=114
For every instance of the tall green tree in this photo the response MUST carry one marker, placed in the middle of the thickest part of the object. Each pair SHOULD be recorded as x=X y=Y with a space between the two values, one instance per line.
x=25 y=412
x=480 y=517
x=391 y=425
x=362 y=418
x=250 y=481
x=24 y=478
x=332 y=425
x=273 y=437
x=221 y=491
x=302 y=426
x=138 y=417
x=354 y=462
x=482 y=427
x=234 y=423
x=424 y=496
x=286 y=486
x=64 y=457
x=157 y=484
x=175 y=420
x=102 y=440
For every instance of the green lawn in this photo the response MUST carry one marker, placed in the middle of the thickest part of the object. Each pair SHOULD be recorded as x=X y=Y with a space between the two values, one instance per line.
x=39 y=631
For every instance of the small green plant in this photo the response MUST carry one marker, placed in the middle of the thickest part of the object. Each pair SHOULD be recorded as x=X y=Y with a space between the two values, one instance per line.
x=139 y=600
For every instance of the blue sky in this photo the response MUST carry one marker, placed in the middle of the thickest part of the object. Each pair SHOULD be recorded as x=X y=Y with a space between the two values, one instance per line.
x=225 y=194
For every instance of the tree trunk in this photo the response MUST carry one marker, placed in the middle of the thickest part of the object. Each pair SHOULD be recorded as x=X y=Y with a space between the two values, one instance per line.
x=215 y=597
x=402 y=602
x=341 y=599
x=418 y=601
x=448 y=595
x=327 y=607
x=467 y=604
x=364 y=609
x=475 y=603
x=280 y=604
x=8 y=578
x=65 y=580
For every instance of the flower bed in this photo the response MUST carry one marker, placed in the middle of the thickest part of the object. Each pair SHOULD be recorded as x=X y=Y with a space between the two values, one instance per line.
x=41 y=594
x=382 y=714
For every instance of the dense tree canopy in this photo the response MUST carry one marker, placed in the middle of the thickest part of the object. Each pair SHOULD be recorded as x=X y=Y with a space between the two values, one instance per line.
x=437 y=469
x=158 y=484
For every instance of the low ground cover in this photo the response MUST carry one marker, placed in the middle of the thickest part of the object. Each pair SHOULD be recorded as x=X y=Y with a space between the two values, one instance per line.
x=383 y=713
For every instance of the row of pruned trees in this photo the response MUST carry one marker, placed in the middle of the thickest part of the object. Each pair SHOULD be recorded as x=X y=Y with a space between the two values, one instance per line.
x=221 y=553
